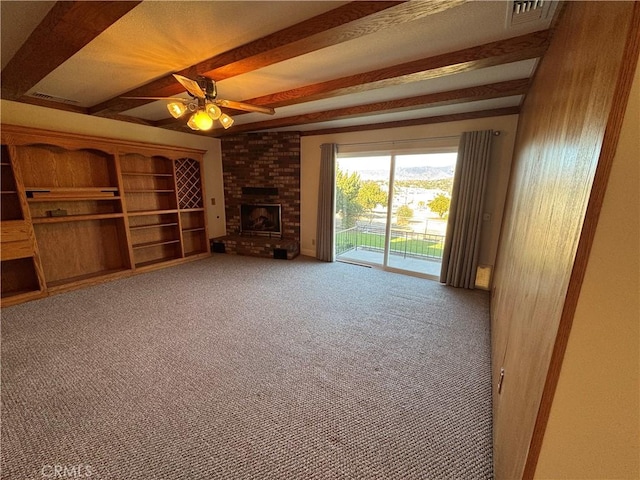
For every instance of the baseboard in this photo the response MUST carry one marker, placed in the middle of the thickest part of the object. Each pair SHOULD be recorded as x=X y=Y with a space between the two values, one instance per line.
x=308 y=252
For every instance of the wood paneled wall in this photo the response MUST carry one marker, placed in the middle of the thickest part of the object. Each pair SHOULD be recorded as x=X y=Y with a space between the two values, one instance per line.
x=566 y=140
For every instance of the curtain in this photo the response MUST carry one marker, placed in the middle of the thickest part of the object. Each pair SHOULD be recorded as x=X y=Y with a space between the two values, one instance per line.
x=460 y=256
x=326 y=203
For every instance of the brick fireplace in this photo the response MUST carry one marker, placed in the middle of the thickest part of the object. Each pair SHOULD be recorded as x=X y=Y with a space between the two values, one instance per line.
x=262 y=168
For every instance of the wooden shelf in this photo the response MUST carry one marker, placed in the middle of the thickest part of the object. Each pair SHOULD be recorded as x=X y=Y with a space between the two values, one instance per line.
x=85 y=277
x=199 y=229
x=187 y=210
x=149 y=191
x=70 y=199
x=63 y=193
x=154 y=244
x=196 y=253
x=15 y=293
x=155 y=225
x=146 y=174
x=155 y=262
x=139 y=213
x=5 y=164
x=105 y=188
x=8 y=192
x=76 y=218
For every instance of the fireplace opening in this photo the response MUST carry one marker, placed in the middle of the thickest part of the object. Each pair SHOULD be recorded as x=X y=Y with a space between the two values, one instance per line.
x=264 y=219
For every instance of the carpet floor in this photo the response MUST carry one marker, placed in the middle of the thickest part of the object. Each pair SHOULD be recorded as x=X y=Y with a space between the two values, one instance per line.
x=246 y=368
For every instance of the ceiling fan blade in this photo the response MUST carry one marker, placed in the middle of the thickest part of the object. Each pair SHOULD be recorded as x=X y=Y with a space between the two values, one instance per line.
x=244 y=106
x=190 y=85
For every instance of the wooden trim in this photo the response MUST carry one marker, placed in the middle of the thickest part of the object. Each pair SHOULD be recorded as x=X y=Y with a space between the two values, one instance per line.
x=73 y=25
x=20 y=135
x=127 y=250
x=598 y=190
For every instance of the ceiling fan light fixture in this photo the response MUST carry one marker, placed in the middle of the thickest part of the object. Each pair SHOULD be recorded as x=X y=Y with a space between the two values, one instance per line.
x=201 y=120
x=176 y=109
x=192 y=124
x=213 y=111
x=225 y=120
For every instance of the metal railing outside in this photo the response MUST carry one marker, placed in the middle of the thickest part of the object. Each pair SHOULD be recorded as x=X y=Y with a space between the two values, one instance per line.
x=405 y=243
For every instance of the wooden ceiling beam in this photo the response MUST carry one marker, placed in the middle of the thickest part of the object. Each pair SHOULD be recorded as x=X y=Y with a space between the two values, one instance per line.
x=72 y=25
x=347 y=22
x=501 y=52
x=453 y=117
x=464 y=95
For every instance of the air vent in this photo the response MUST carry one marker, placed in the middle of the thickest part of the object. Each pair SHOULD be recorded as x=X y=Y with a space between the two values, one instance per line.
x=526 y=11
x=524 y=6
x=52 y=98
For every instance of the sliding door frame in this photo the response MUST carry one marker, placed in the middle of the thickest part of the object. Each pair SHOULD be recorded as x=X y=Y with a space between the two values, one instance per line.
x=428 y=146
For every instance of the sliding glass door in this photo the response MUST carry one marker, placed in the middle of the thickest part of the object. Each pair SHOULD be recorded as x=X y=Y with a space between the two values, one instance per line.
x=391 y=210
x=362 y=186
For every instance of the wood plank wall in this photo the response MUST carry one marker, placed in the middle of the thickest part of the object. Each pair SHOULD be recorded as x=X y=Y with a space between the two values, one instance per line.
x=566 y=138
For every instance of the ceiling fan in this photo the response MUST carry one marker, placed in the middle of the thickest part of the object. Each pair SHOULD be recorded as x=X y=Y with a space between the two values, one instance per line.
x=203 y=104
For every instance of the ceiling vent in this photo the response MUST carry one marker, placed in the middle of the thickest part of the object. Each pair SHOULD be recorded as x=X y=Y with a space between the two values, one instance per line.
x=527 y=11
x=52 y=98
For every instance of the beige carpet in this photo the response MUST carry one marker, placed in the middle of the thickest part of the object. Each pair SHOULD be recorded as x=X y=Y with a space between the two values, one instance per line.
x=245 y=368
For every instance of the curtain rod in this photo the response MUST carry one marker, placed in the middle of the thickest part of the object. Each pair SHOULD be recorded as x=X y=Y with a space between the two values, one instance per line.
x=496 y=133
x=396 y=142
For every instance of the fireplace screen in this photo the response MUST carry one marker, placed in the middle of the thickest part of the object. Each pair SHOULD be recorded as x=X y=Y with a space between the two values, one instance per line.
x=260 y=219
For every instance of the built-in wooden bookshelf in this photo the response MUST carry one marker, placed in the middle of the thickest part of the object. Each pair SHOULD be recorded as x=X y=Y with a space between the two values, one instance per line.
x=152 y=206
x=21 y=272
x=94 y=209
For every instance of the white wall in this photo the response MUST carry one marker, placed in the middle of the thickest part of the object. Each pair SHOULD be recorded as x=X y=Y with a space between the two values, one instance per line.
x=502 y=150
x=15 y=113
x=594 y=423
